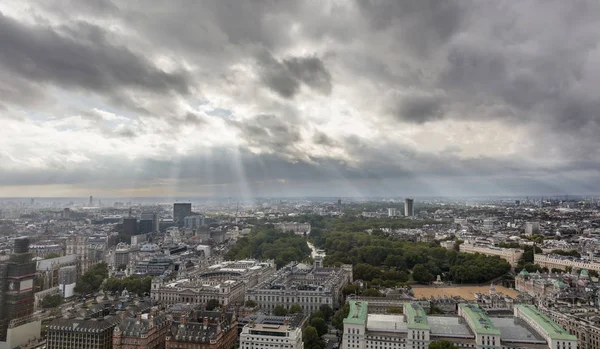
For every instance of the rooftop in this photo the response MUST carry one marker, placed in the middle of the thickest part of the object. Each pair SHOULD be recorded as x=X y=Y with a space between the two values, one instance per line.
x=513 y=330
x=552 y=329
x=386 y=322
x=449 y=327
x=416 y=316
x=479 y=319
x=357 y=314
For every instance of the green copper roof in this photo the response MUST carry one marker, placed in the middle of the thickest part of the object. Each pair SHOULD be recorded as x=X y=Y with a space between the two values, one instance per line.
x=479 y=320
x=553 y=330
x=357 y=314
x=584 y=272
x=524 y=272
x=416 y=317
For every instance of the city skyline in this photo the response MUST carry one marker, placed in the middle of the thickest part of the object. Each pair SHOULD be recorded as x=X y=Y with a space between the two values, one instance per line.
x=300 y=98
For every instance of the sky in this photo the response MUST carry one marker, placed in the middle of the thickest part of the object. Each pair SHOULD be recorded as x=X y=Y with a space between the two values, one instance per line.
x=299 y=98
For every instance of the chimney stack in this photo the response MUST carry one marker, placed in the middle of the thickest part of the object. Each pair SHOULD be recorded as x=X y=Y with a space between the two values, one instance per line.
x=205 y=322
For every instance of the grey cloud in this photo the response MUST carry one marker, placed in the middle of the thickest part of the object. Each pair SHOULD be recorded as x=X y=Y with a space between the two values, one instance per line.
x=321 y=138
x=420 y=107
x=286 y=77
x=271 y=133
x=40 y=53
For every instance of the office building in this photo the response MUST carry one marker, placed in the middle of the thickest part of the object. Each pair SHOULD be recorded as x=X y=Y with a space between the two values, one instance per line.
x=193 y=222
x=121 y=255
x=392 y=212
x=532 y=228
x=197 y=291
x=180 y=211
x=67 y=277
x=306 y=285
x=152 y=217
x=260 y=336
x=203 y=330
x=81 y=333
x=144 y=227
x=472 y=328
x=18 y=325
x=511 y=255
x=130 y=226
x=146 y=331
x=408 y=207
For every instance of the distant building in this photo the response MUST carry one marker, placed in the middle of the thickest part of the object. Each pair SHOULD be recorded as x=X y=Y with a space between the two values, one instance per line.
x=532 y=228
x=121 y=255
x=511 y=255
x=392 y=212
x=152 y=217
x=552 y=261
x=489 y=224
x=144 y=227
x=296 y=228
x=193 y=222
x=180 y=211
x=130 y=226
x=409 y=210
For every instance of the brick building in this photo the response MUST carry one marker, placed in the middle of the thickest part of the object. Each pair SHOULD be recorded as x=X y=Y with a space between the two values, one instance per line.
x=203 y=330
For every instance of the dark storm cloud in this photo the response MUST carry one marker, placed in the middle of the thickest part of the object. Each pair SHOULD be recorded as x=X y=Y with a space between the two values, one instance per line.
x=286 y=77
x=419 y=107
x=270 y=132
x=87 y=61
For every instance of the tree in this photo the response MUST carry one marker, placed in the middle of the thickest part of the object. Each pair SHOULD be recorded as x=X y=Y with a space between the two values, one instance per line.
x=295 y=309
x=443 y=344
x=311 y=339
x=212 y=304
x=327 y=311
x=280 y=311
x=422 y=275
x=91 y=280
x=52 y=255
x=51 y=301
x=371 y=292
x=250 y=303
x=338 y=318
x=320 y=325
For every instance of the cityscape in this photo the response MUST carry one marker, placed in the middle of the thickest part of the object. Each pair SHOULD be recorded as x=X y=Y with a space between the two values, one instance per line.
x=299 y=174
x=295 y=273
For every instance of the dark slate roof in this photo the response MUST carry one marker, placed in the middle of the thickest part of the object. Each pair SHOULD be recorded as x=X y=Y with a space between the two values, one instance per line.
x=87 y=325
x=135 y=327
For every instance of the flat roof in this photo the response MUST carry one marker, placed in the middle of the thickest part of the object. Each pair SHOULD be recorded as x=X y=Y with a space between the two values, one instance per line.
x=481 y=322
x=513 y=330
x=385 y=322
x=553 y=330
x=444 y=326
x=357 y=314
x=416 y=316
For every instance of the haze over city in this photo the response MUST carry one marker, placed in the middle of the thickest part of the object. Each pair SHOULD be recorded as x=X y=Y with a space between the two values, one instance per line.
x=298 y=98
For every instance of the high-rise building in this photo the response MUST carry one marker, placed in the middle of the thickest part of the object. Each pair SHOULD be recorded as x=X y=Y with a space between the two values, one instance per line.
x=193 y=222
x=91 y=200
x=532 y=228
x=130 y=226
x=408 y=207
x=144 y=226
x=392 y=212
x=151 y=216
x=180 y=211
x=16 y=286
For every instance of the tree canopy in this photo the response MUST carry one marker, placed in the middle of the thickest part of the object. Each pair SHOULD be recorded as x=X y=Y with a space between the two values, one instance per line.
x=92 y=279
x=132 y=284
x=265 y=242
x=443 y=344
x=51 y=301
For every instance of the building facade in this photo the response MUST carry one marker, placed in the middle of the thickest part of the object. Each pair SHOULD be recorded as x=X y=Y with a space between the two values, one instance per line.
x=295 y=227
x=308 y=286
x=260 y=336
x=409 y=210
x=203 y=330
x=197 y=291
x=180 y=211
x=146 y=331
x=511 y=255
x=81 y=333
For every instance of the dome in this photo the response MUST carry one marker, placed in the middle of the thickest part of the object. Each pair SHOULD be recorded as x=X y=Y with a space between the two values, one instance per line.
x=524 y=272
